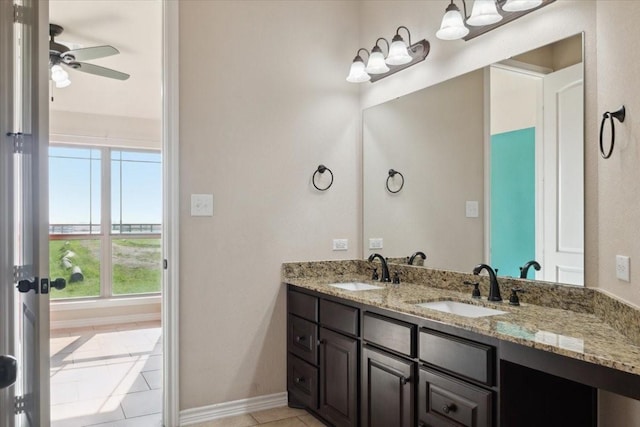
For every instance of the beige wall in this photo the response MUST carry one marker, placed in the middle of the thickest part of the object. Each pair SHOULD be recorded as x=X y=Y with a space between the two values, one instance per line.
x=262 y=110
x=263 y=102
x=420 y=135
x=619 y=176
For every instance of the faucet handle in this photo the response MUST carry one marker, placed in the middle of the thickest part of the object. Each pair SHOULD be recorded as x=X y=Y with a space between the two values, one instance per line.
x=476 y=291
x=374 y=274
x=396 y=277
x=513 y=299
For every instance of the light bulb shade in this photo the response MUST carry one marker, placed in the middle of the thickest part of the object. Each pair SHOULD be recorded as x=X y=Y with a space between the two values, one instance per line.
x=63 y=83
x=58 y=74
x=484 y=12
x=376 y=64
x=357 y=73
x=398 y=54
x=520 y=5
x=452 y=27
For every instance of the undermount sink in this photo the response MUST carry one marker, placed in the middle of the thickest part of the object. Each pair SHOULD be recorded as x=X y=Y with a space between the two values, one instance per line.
x=355 y=286
x=461 y=309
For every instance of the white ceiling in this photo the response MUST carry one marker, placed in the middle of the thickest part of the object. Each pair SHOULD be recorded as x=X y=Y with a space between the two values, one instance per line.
x=134 y=28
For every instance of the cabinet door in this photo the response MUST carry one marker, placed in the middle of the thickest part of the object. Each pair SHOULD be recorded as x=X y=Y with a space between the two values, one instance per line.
x=338 y=378
x=387 y=390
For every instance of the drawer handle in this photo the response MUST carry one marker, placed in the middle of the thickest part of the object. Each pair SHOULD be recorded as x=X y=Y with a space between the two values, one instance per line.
x=449 y=408
x=300 y=380
x=404 y=380
x=301 y=338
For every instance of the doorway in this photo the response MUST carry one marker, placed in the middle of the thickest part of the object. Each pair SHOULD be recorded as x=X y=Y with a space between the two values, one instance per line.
x=105 y=207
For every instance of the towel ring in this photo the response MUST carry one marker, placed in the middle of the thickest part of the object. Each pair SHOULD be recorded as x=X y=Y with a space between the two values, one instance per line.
x=322 y=169
x=393 y=173
x=620 y=114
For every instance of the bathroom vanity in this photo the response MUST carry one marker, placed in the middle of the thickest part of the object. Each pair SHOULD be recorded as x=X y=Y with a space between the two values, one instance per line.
x=377 y=358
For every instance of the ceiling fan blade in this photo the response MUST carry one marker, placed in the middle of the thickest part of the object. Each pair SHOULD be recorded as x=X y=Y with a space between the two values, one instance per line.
x=99 y=71
x=88 y=53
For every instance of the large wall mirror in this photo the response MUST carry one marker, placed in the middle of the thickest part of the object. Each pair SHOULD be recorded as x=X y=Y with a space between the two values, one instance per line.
x=490 y=168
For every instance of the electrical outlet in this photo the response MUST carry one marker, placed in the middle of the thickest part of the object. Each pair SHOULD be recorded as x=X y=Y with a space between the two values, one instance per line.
x=622 y=268
x=375 y=243
x=202 y=205
x=471 y=209
x=340 y=244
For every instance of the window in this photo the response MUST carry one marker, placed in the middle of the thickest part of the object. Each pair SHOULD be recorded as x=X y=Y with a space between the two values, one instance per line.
x=105 y=213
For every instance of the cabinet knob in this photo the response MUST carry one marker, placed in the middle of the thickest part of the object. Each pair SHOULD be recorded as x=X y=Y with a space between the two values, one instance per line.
x=301 y=338
x=449 y=408
x=299 y=380
x=404 y=380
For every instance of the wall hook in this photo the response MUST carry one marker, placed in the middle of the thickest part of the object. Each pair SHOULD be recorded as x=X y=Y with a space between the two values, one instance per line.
x=620 y=115
x=392 y=174
x=322 y=169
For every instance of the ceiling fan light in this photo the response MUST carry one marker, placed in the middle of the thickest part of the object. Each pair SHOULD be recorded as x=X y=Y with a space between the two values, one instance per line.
x=452 y=27
x=520 y=5
x=484 y=12
x=376 y=64
x=357 y=73
x=398 y=54
x=58 y=74
x=63 y=83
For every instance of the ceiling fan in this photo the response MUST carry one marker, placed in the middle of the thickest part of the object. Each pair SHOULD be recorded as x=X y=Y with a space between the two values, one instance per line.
x=60 y=54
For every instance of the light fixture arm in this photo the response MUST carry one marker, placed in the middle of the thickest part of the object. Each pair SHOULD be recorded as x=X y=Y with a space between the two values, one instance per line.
x=386 y=42
x=408 y=33
x=464 y=8
x=358 y=52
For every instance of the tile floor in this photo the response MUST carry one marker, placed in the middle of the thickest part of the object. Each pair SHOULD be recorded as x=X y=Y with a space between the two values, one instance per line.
x=109 y=376
x=277 y=417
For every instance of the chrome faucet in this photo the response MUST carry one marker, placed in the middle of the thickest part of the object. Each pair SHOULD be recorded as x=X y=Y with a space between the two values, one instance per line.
x=494 y=288
x=416 y=254
x=524 y=270
x=385 y=268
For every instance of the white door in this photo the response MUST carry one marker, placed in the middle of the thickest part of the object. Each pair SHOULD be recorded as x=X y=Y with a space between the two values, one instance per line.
x=563 y=200
x=24 y=334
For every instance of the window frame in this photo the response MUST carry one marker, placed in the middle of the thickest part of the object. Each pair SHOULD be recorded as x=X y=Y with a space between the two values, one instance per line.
x=106 y=235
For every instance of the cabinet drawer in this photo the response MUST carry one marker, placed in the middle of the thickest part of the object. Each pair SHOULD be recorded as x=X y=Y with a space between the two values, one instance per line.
x=303 y=305
x=467 y=358
x=303 y=339
x=390 y=333
x=302 y=382
x=339 y=317
x=445 y=401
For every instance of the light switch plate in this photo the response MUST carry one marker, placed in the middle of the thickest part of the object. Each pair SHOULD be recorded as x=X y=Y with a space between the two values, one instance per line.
x=340 y=244
x=202 y=205
x=471 y=209
x=375 y=243
x=622 y=268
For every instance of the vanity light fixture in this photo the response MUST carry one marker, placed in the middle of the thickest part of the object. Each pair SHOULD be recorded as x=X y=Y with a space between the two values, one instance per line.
x=399 y=56
x=485 y=16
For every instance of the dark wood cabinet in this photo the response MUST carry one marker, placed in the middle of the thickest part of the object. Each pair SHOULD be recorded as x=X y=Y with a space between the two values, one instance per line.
x=338 y=378
x=388 y=391
x=303 y=339
x=444 y=401
x=462 y=357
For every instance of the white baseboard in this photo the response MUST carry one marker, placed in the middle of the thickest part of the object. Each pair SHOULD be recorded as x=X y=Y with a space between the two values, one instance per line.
x=236 y=407
x=105 y=320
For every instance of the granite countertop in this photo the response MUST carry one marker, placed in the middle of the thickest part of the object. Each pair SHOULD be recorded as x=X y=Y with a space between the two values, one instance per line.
x=580 y=333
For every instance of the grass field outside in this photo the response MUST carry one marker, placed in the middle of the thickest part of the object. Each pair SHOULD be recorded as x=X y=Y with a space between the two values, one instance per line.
x=136 y=266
